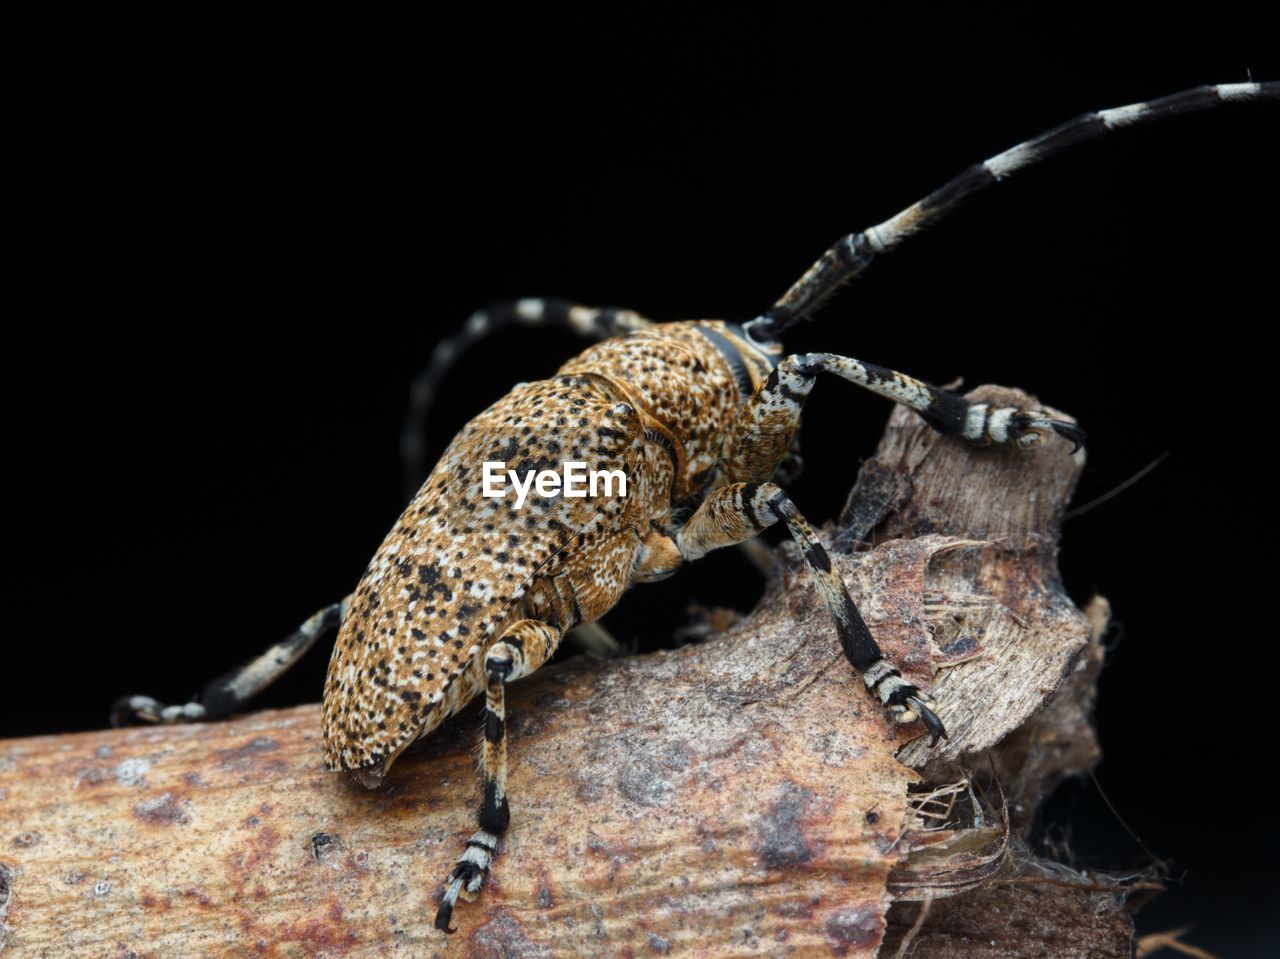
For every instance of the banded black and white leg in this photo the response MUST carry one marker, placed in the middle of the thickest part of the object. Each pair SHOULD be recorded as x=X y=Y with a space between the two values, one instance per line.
x=522 y=649
x=596 y=323
x=772 y=415
x=734 y=513
x=853 y=253
x=230 y=691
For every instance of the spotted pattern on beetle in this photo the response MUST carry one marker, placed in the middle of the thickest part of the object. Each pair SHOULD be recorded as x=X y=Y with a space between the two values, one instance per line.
x=468 y=593
x=457 y=566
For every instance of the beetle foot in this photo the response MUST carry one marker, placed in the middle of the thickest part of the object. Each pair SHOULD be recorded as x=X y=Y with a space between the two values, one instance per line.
x=467 y=877
x=1021 y=429
x=141 y=710
x=1026 y=430
x=909 y=704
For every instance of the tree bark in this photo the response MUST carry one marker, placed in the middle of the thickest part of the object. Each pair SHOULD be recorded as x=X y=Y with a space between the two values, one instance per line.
x=740 y=796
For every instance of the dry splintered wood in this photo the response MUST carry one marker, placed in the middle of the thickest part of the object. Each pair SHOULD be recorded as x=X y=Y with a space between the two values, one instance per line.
x=739 y=796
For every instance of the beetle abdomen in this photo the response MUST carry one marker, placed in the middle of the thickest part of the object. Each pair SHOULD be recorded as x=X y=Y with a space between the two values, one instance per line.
x=449 y=575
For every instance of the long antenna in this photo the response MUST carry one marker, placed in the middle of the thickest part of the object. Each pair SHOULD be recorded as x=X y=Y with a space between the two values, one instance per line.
x=850 y=256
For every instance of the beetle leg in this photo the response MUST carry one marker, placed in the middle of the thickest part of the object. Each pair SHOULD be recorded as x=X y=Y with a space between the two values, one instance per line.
x=657 y=559
x=523 y=648
x=771 y=417
x=731 y=514
x=595 y=639
x=224 y=695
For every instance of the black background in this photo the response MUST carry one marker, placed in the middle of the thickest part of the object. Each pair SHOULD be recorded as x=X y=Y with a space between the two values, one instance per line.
x=238 y=251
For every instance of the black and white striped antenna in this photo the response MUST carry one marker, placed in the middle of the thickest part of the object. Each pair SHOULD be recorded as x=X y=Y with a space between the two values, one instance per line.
x=851 y=255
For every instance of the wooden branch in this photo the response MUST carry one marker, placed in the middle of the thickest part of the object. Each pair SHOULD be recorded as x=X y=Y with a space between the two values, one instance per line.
x=738 y=796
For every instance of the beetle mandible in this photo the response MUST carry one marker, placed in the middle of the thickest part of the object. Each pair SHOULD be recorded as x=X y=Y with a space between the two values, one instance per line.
x=470 y=592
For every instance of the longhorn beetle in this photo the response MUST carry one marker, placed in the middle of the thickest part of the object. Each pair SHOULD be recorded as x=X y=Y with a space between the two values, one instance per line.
x=468 y=592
